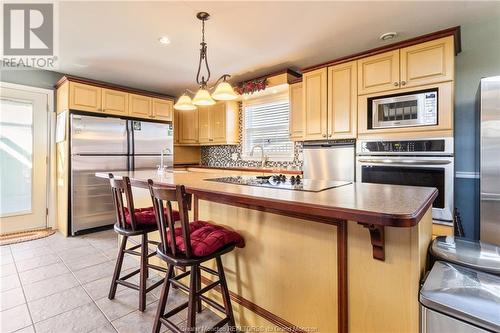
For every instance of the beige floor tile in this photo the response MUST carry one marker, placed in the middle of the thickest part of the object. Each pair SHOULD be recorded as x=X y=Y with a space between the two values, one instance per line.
x=8 y=269
x=9 y=282
x=32 y=253
x=42 y=273
x=137 y=321
x=95 y=272
x=14 y=319
x=24 y=265
x=108 y=328
x=100 y=288
x=58 y=303
x=85 y=261
x=49 y=287
x=11 y=298
x=34 y=244
x=29 y=329
x=6 y=258
x=80 y=320
x=78 y=253
x=124 y=303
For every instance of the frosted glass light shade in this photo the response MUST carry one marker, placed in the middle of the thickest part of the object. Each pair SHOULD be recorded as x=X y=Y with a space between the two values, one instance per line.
x=184 y=103
x=224 y=92
x=203 y=97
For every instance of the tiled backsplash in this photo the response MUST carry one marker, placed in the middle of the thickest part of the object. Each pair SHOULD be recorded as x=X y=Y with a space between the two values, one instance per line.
x=221 y=156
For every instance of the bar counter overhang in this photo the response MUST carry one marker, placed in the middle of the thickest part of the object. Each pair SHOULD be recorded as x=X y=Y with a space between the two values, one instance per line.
x=347 y=259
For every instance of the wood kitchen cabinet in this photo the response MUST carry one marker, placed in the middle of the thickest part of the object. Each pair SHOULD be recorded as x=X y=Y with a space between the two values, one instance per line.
x=139 y=106
x=114 y=102
x=188 y=129
x=176 y=126
x=429 y=62
x=315 y=104
x=84 y=97
x=162 y=109
x=342 y=101
x=120 y=101
x=378 y=73
x=219 y=123
x=296 y=122
x=416 y=65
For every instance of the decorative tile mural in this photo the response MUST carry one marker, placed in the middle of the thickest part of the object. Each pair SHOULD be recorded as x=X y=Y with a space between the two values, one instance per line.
x=222 y=156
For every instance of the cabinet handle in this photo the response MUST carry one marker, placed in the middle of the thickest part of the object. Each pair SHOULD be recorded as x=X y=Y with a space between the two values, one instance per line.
x=324 y=135
x=330 y=135
x=403 y=83
x=396 y=84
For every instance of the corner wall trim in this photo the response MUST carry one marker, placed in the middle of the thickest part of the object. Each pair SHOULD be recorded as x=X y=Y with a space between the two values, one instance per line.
x=467 y=174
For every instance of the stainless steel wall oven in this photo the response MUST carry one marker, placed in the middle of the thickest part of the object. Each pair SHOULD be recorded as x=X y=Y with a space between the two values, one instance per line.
x=415 y=163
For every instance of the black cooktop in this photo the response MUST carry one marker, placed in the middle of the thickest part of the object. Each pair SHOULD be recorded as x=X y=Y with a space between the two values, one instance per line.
x=295 y=183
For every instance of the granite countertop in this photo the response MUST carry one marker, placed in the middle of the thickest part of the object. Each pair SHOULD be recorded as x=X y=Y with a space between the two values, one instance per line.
x=378 y=204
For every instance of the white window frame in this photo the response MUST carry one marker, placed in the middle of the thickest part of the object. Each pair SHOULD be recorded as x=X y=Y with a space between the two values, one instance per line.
x=284 y=96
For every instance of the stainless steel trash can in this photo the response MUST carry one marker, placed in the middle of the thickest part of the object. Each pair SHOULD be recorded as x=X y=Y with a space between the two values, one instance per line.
x=461 y=293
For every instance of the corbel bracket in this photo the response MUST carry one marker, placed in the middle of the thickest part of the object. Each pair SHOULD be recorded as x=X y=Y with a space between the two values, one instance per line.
x=377 y=240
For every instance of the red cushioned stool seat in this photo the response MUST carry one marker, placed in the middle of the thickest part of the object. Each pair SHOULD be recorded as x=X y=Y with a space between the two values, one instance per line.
x=147 y=215
x=207 y=238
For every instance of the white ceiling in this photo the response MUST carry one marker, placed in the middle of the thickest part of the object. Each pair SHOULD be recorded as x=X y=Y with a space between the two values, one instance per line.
x=118 y=41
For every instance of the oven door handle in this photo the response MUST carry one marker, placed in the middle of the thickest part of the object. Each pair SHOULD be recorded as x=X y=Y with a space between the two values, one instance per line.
x=405 y=162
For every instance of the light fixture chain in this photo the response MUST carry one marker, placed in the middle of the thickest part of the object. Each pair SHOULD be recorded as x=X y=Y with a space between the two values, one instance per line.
x=203 y=57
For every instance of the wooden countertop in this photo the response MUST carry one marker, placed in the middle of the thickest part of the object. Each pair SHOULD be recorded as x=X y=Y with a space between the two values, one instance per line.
x=249 y=169
x=377 y=204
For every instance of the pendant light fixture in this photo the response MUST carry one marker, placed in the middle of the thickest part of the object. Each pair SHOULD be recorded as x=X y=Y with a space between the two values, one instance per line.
x=223 y=90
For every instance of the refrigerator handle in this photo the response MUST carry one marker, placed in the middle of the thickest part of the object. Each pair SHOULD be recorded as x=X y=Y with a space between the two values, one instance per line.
x=130 y=145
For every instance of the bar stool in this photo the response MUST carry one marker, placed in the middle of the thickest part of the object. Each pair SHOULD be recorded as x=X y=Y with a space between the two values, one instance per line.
x=141 y=222
x=189 y=246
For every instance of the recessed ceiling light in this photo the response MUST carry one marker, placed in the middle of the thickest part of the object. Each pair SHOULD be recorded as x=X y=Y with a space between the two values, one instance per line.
x=164 y=40
x=388 y=35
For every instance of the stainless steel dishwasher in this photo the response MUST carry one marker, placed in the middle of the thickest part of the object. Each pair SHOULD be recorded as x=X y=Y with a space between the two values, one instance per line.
x=332 y=160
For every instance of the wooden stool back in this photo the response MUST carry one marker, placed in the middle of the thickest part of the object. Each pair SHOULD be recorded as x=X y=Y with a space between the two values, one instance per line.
x=119 y=190
x=166 y=225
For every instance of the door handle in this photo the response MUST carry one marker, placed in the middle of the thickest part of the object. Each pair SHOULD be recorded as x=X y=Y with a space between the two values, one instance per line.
x=396 y=84
x=406 y=162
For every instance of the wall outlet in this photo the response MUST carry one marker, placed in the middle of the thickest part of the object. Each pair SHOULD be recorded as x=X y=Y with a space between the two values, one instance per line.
x=234 y=156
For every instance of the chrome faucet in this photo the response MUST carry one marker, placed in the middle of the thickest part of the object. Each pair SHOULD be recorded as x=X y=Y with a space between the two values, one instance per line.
x=161 y=167
x=263 y=157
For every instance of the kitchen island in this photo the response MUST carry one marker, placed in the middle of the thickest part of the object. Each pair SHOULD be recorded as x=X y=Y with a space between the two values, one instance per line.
x=343 y=259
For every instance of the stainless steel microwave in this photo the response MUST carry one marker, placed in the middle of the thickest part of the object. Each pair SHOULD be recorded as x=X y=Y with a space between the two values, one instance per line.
x=403 y=110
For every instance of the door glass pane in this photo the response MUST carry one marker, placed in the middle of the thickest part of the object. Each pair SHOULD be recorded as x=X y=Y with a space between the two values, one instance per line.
x=428 y=177
x=16 y=156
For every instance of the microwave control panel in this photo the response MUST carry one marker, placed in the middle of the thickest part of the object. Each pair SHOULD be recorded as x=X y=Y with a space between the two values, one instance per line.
x=430 y=107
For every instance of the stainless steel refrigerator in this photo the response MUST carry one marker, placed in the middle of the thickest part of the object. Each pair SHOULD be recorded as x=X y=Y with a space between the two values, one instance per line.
x=109 y=144
x=489 y=113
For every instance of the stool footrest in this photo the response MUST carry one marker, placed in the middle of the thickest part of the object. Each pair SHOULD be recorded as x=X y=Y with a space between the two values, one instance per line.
x=135 y=253
x=153 y=242
x=219 y=325
x=171 y=326
x=209 y=270
x=154 y=285
x=133 y=247
x=213 y=303
x=207 y=288
x=180 y=276
x=179 y=285
x=175 y=310
x=152 y=254
x=128 y=284
x=129 y=275
x=157 y=268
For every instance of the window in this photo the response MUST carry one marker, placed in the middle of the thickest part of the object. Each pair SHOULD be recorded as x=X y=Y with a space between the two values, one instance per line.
x=265 y=122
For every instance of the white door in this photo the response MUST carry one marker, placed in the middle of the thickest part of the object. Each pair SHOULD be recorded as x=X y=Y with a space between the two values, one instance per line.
x=23 y=159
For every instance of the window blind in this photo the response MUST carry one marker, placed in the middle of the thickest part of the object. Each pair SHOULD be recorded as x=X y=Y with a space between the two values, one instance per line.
x=266 y=124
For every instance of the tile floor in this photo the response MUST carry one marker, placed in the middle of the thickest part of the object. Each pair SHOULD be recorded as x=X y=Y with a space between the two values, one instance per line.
x=60 y=284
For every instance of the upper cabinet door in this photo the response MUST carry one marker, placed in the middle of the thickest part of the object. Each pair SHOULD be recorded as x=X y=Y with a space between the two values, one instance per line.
x=189 y=127
x=204 y=124
x=342 y=100
x=378 y=73
x=296 y=112
x=84 y=97
x=115 y=102
x=162 y=109
x=218 y=123
x=315 y=104
x=139 y=106
x=428 y=62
